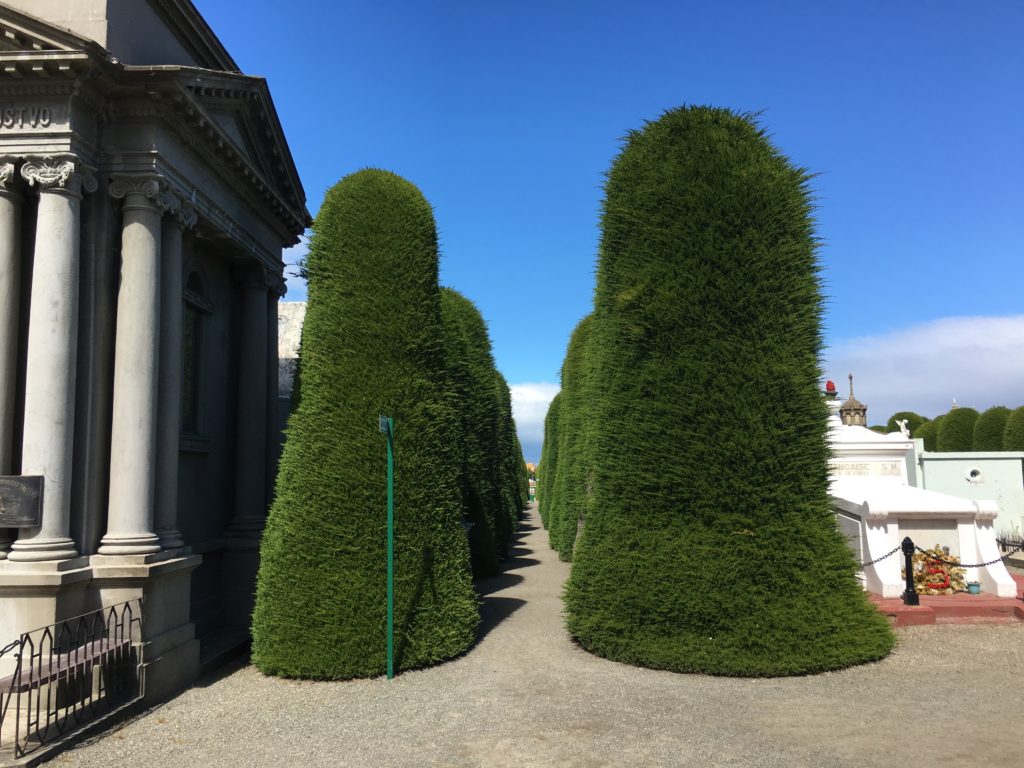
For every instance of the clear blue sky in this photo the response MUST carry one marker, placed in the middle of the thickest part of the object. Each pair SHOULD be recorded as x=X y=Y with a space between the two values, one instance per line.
x=507 y=114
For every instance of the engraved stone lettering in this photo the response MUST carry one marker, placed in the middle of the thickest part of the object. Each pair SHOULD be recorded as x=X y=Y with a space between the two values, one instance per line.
x=19 y=116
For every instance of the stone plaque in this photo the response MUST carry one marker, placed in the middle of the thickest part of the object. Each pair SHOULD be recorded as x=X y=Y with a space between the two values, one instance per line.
x=866 y=468
x=21 y=501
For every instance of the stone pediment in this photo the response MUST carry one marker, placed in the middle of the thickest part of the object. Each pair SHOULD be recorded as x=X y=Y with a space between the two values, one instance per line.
x=237 y=113
x=22 y=33
x=140 y=32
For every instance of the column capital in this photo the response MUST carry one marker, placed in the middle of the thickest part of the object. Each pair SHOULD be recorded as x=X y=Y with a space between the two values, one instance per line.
x=257 y=277
x=9 y=184
x=63 y=174
x=138 y=190
x=178 y=209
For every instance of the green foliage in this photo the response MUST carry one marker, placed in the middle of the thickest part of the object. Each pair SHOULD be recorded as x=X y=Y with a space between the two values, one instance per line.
x=1013 y=434
x=956 y=432
x=710 y=544
x=548 y=467
x=880 y=429
x=569 y=500
x=372 y=344
x=512 y=466
x=989 y=429
x=468 y=348
x=914 y=420
x=929 y=432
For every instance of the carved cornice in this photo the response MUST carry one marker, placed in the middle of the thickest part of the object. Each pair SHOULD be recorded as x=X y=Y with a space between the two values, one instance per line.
x=59 y=173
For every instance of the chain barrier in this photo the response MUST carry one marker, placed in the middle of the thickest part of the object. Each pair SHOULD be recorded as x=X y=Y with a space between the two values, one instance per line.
x=880 y=559
x=932 y=558
x=935 y=559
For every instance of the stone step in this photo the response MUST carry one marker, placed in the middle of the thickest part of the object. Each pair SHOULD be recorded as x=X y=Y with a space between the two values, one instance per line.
x=961 y=608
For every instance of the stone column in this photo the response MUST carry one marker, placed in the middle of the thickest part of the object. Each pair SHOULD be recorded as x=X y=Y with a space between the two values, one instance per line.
x=52 y=351
x=10 y=284
x=275 y=292
x=181 y=216
x=251 y=431
x=136 y=360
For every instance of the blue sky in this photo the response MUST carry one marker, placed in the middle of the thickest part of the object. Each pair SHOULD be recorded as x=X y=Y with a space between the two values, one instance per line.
x=507 y=115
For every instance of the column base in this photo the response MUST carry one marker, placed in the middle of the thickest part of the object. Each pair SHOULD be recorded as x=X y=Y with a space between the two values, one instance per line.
x=171 y=539
x=129 y=544
x=34 y=550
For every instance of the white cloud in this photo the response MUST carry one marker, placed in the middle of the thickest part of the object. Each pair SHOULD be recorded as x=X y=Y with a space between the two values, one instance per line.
x=979 y=361
x=292 y=256
x=530 y=401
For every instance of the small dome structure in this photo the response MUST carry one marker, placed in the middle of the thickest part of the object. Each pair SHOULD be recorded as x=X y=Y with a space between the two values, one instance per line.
x=853 y=412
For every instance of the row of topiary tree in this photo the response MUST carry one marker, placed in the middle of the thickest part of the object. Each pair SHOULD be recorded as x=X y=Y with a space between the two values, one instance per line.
x=381 y=337
x=684 y=469
x=964 y=429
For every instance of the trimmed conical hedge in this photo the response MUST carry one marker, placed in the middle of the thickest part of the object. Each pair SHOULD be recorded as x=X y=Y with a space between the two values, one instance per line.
x=1013 y=434
x=989 y=428
x=569 y=499
x=472 y=365
x=548 y=467
x=956 y=430
x=512 y=466
x=914 y=420
x=929 y=432
x=710 y=544
x=371 y=344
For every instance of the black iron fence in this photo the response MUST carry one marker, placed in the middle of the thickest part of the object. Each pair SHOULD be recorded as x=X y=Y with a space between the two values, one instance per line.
x=57 y=679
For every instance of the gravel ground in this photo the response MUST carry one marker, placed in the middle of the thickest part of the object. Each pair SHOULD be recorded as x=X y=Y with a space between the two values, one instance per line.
x=526 y=696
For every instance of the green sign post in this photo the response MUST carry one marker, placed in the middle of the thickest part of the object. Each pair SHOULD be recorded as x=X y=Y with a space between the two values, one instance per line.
x=387 y=426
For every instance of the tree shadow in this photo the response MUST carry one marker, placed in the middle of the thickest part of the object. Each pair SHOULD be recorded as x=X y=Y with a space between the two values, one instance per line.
x=494 y=611
x=515 y=563
x=493 y=584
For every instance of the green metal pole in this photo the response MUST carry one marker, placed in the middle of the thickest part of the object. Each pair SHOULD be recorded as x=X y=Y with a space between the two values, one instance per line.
x=391 y=548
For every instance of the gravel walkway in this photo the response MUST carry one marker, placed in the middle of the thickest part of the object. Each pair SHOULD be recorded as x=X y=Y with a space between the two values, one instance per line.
x=526 y=696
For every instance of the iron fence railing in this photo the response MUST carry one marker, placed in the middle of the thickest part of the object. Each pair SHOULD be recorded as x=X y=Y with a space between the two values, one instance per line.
x=59 y=678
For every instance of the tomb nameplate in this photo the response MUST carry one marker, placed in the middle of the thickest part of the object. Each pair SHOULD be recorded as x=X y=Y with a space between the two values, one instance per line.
x=21 y=501
x=866 y=468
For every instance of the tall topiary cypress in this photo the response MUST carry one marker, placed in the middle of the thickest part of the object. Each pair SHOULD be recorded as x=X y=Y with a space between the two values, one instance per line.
x=511 y=453
x=571 y=495
x=1013 y=434
x=472 y=364
x=956 y=431
x=710 y=544
x=929 y=432
x=989 y=428
x=372 y=344
x=914 y=420
x=548 y=461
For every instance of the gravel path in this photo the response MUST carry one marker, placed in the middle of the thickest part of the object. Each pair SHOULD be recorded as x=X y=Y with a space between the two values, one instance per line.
x=525 y=696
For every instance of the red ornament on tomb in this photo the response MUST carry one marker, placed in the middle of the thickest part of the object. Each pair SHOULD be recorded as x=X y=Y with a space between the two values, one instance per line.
x=830 y=386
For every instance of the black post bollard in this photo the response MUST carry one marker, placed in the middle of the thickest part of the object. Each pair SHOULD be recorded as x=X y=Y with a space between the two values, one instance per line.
x=910 y=596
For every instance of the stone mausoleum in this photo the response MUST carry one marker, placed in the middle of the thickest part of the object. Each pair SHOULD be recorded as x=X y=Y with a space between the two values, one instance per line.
x=146 y=193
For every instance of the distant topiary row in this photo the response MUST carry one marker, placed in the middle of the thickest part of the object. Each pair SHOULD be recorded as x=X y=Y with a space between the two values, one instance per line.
x=570 y=483
x=690 y=429
x=964 y=429
x=491 y=499
x=380 y=337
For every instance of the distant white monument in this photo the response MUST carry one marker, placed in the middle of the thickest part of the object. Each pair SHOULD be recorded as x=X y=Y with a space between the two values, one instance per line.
x=876 y=507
